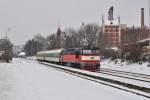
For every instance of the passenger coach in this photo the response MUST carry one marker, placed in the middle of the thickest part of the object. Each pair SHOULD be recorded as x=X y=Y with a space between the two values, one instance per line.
x=53 y=56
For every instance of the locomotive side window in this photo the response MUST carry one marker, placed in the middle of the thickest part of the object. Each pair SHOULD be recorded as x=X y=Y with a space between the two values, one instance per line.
x=87 y=52
x=72 y=52
x=95 y=51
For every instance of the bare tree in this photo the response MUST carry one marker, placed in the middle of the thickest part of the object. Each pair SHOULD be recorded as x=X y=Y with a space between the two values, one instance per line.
x=51 y=40
x=28 y=48
x=81 y=36
x=40 y=41
x=89 y=33
x=6 y=47
x=70 y=38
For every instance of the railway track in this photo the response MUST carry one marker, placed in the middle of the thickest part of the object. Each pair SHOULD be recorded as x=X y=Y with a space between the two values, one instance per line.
x=124 y=72
x=142 y=91
x=128 y=75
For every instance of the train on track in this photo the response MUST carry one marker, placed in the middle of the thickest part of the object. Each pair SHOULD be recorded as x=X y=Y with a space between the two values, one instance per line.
x=85 y=58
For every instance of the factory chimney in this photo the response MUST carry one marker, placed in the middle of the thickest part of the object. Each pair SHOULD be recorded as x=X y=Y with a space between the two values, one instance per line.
x=142 y=17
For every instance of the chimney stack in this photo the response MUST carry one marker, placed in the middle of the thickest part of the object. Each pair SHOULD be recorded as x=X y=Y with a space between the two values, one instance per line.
x=142 y=17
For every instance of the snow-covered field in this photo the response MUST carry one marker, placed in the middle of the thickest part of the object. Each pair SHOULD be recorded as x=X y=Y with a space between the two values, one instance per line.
x=23 y=80
x=126 y=66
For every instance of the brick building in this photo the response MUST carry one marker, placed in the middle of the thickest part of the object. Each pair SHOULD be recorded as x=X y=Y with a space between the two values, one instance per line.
x=112 y=29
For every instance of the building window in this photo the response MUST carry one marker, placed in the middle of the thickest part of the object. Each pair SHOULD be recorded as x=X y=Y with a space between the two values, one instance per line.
x=116 y=30
x=111 y=34
x=117 y=39
x=116 y=34
x=108 y=35
x=111 y=30
x=106 y=30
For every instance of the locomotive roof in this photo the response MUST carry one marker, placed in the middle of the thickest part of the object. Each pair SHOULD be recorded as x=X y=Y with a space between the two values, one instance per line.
x=85 y=48
x=89 y=47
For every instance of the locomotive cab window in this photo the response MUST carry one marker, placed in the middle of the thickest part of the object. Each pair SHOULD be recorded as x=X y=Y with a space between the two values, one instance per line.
x=90 y=51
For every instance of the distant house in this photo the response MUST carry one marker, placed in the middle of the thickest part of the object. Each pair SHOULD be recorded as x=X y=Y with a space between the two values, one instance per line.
x=22 y=54
x=2 y=52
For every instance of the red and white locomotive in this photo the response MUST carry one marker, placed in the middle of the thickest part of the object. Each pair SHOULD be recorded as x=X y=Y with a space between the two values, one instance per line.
x=85 y=58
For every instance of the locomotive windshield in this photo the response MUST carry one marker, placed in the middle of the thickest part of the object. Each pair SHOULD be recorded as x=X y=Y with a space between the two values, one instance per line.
x=90 y=51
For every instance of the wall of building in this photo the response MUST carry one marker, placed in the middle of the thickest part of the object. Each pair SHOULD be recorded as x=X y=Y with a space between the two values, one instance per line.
x=134 y=34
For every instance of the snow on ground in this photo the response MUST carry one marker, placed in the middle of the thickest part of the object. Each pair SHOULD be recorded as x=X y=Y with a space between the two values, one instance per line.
x=22 y=80
x=126 y=66
x=31 y=58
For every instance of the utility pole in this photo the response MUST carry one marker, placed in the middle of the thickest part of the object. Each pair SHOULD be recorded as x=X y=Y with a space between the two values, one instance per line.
x=149 y=30
x=7 y=55
x=149 y=13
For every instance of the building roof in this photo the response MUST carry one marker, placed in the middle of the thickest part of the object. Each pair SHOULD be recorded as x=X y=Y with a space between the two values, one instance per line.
x=21 y=54
x=144 y=40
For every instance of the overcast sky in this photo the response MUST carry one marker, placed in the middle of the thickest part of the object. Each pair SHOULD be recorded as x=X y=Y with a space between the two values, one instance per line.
x=25 y=18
